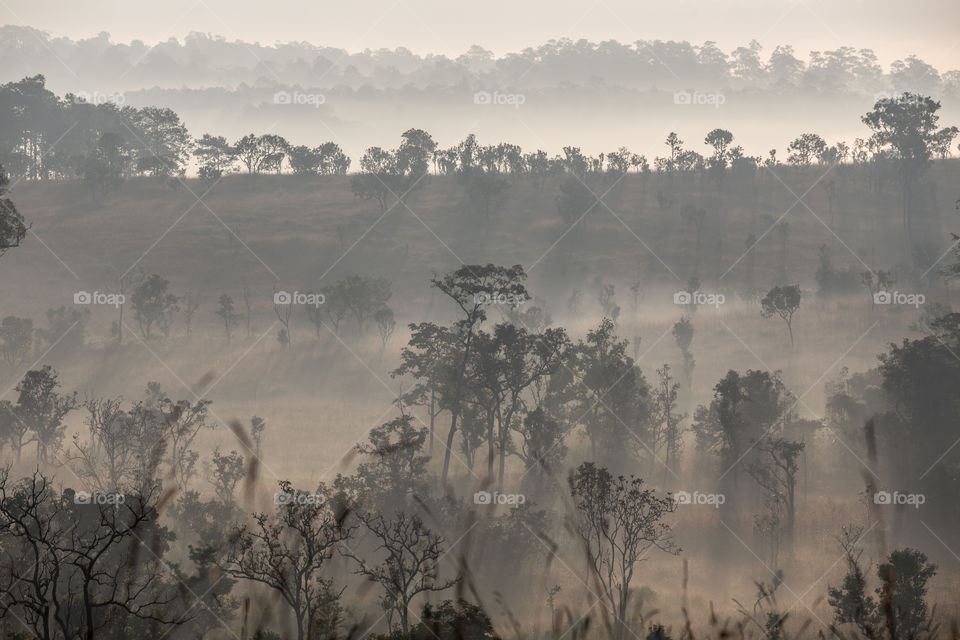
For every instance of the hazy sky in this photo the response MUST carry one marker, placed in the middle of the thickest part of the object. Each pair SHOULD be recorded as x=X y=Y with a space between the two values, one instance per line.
x=893 y=28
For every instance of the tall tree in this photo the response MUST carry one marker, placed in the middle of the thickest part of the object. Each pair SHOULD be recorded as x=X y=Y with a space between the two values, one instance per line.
x=470 y=288
x=907 y=126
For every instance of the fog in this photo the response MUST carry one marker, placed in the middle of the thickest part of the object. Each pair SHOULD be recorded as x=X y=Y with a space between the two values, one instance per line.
x=411 y=321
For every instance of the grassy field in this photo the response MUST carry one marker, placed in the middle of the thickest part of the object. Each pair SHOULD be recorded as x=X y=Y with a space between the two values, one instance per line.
x=324 y=392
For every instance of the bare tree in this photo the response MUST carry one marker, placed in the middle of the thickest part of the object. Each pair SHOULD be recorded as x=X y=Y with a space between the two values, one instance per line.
x=619 y=522
x=776 y=473
x=412 y=560
x=287 y=552
x=668 y=432
x=78 y=568
x=227 y=314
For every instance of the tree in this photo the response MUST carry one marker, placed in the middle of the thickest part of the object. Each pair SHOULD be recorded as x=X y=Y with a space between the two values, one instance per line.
x=395 y=477
x=542 y=446
x=273 y=150
x=469 y=287
x=262 y=153
x=385 y=324
x=744 y=408
x=486 y=191
x=668 y=431
x=165 y=431
x=683 y=335
x=782 y=301
x=41 y=409
x=191 y=302
x=415 y=152
x=574 y=202
x=907 y=126
x=134 y=278
x=227 y=314
x=75 y=569
x=720 y=140
x=603 y=389
x=776 y=473
x=215 y=155
x=411 y=565
x=12 y=227
x=805 y=149
x=380 y=177
x=364 y=297
x=153 y=304
x=851 y=601
x=105 y=168
x=117 y=456
x=165 y=141
x=619 y=521
x=903 y=593
x=453 y=621
x=287 y=553
x=901 y=598
x=333 y=161
x=16 y=339
x=429 y=358
x=304 y=161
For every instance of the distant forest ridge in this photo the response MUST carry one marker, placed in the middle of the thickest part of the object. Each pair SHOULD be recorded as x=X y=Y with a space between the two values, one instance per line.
x=201 y=60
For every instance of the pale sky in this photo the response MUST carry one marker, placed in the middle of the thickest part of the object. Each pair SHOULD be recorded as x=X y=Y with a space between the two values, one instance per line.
x=892 y=28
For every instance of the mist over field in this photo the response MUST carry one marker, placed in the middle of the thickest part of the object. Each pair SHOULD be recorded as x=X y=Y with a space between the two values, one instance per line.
x=431 y=321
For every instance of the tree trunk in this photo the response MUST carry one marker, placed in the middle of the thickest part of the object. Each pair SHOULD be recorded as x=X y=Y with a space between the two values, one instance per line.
x=456 y=409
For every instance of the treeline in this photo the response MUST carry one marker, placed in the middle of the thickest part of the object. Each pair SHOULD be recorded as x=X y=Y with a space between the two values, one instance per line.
x=46 y=137
x=43 y=136
x=200 y=60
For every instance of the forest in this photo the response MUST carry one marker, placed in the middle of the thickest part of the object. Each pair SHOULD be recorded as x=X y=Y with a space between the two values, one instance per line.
x=279 y=387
